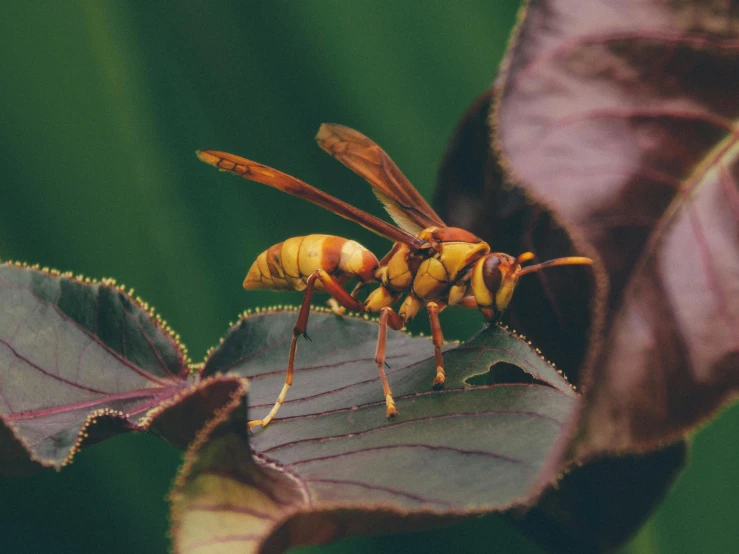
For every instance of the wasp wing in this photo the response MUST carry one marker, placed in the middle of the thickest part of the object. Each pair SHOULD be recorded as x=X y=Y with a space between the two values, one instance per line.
x=266 y=175
x=360 y=154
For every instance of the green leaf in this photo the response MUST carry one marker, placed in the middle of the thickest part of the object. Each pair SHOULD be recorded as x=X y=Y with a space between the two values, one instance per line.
x=81 y=361
x=330 y=465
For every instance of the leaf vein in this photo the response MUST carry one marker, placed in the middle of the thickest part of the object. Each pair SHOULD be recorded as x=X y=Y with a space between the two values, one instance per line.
x=412 y=422
x=85 y=332
x=456 y=450
x=19 y=356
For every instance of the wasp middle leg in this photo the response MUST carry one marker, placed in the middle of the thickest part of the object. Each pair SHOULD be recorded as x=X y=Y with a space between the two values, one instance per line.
x=388 y=317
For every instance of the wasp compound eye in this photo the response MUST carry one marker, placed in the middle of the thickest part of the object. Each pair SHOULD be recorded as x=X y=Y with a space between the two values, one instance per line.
x=491 y=273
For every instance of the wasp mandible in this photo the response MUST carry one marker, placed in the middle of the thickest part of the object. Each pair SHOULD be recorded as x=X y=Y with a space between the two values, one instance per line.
x=434 y=265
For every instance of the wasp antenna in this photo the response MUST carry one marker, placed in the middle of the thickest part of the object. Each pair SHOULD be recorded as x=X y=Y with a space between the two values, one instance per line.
x=570 y=260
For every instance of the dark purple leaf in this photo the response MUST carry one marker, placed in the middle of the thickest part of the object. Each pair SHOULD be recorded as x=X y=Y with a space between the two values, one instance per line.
x=81 y=361
x=553 y=308
x=596 y=506
x=337 y=369
x=621 y=116
x=330 y=465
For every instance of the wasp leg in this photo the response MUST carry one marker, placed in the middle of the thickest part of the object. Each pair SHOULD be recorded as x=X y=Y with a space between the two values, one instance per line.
x=343 y=298
x=283 y=392
x=437 y=338
x=387 y=317
x=468 y=302
x=332 y=287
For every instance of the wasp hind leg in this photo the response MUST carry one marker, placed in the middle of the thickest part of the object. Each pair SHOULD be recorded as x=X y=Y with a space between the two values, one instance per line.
x=342 y=298
x=283 y=393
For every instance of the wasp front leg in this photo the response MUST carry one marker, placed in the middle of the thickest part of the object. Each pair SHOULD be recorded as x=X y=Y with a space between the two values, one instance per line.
x=437 y=337
x=342 y=297
x=408 y=310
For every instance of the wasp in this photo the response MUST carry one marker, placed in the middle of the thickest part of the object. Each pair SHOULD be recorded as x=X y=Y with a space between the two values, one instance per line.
x=433 y=265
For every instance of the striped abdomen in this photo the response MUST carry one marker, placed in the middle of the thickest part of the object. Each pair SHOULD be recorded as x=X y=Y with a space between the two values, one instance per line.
x=287 y=265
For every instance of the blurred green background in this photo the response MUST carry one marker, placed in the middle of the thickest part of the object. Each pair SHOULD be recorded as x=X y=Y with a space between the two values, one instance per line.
x=102 y=105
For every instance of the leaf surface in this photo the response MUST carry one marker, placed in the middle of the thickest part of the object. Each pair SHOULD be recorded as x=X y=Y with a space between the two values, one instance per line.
x=81 y=361
x=330 y=465
x=622 y=117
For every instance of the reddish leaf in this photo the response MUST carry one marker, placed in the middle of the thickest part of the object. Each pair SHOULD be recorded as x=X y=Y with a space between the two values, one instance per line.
x=82 y=361
x=330 y=465
x=597 y=505
x=553 y=308
x=622 y=117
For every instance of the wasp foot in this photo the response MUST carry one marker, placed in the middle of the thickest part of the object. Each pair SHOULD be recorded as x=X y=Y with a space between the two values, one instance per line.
x=391 y=412
x=440 y=378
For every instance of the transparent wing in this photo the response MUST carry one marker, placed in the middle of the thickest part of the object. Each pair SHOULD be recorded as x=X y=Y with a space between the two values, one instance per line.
x=360 y=154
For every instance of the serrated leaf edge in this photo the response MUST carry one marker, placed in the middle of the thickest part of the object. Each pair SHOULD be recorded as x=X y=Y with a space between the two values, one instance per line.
x=129 y=293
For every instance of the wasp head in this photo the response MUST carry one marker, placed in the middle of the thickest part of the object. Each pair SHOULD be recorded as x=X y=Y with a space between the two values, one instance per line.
x=494 y=278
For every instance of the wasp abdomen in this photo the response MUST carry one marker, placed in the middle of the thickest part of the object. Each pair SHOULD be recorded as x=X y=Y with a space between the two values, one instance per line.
x=287 y=265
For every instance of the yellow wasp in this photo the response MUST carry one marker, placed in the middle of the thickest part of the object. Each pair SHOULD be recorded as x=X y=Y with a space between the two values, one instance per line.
x=434 y=265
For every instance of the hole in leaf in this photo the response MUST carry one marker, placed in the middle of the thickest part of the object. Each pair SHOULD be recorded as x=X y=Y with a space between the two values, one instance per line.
x=503 y=372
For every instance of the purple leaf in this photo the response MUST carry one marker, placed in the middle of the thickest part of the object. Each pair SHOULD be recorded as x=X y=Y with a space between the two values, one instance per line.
x=330 y=465
x=596 y=506
x=555 y=308
x=81 y=361
x=622 y=117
